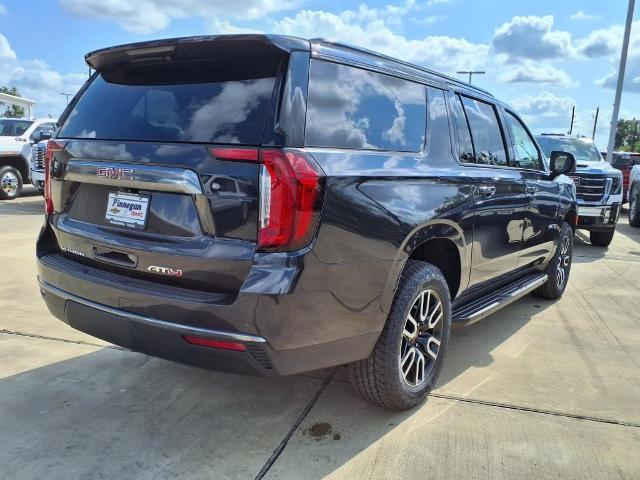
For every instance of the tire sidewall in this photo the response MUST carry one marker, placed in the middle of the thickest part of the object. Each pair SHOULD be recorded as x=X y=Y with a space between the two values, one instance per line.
x=565 y=230
x=428 y=277
x=16 y=172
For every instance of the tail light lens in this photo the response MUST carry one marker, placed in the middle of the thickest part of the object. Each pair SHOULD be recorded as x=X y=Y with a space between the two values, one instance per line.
x=52 y=147
x=291 y=187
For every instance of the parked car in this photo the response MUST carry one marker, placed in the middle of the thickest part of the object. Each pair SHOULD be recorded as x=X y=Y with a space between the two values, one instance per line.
x=634 y=196
x=38 y=152
x=384 y=203
x=16 y=138
x=598 y=186
x=624 y=161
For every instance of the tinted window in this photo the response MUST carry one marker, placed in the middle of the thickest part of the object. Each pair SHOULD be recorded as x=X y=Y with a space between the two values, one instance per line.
x=439 y=140
x=464 y=137
x=209 y=104
x=13 y=128
x=354 y=108
x=524 y=148
x=485 y=132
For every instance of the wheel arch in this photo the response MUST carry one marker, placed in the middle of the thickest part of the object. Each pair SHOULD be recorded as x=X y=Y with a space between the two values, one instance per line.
x=441 y=243
x=18 y=162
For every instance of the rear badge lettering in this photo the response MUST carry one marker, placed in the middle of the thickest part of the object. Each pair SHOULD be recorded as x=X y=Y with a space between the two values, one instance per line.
x=172 y=272
x=115 y=173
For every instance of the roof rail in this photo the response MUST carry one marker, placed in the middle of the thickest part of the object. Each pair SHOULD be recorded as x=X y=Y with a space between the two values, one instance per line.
x=449 y=79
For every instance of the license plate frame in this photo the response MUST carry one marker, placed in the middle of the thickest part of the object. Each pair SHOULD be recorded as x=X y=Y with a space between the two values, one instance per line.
x=129 y=210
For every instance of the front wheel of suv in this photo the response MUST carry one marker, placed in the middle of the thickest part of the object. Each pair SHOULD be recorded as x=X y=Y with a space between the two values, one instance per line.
x=634 y=208
x=601 y=239
x=559 y=266
x=406 y=361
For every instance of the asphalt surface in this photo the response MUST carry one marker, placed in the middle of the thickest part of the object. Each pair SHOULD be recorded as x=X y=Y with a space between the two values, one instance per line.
x=540 y=390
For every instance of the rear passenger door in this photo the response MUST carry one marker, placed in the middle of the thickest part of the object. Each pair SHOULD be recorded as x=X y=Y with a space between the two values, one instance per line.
x=499 y=192
x=540 y=217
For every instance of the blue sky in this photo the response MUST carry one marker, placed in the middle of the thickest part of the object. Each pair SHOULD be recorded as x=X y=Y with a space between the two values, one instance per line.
x=541 y=57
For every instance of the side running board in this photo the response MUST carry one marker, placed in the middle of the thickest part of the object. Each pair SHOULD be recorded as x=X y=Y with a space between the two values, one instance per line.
x=469 y=313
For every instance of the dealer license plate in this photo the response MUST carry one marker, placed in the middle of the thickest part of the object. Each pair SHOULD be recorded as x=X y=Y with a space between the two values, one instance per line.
x=127 y=209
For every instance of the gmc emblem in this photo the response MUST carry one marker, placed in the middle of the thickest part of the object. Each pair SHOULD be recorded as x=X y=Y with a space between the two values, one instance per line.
x=115 y=173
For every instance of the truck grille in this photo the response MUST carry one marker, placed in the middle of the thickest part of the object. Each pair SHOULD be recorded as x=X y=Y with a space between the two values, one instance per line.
x=590 y=188
x=37 y=157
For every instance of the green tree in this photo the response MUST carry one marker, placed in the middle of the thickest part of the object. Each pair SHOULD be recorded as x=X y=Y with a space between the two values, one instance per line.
x=12 y=111
x=628 y=135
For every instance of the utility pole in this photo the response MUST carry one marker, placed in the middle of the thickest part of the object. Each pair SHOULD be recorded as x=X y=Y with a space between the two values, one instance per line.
x=471 y=73
x=595 y=124
x=573 y=114
x=67 y=95
x=621 y=69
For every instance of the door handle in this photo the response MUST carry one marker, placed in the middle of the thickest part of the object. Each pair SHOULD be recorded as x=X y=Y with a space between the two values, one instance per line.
x=531 y=190
x=486 y=190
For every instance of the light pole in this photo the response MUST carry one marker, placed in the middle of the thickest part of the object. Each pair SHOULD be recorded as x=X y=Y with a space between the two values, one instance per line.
x=67 y=95
x=623 y=64
x=471 y=73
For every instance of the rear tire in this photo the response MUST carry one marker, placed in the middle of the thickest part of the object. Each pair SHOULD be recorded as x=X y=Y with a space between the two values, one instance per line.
x=559 y=266
x=407 y=359
x=10 y=183
x=634 y=208
x=602 y=239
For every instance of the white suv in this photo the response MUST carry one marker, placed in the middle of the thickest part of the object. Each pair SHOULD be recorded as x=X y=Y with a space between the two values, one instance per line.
x=17 y=135
x=634 y=196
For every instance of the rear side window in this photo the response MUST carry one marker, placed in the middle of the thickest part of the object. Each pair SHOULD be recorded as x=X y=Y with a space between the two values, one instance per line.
x=465 y=144
x=353 y=108
x=207 y=103
x=439 y=139
x=485 y=132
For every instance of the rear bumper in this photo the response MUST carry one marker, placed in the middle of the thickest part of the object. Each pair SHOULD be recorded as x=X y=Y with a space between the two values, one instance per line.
x=598 y=218
x=295 y=338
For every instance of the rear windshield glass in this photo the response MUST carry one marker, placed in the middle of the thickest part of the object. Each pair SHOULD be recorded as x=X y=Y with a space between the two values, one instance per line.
x=202 y=102
x=582 y=149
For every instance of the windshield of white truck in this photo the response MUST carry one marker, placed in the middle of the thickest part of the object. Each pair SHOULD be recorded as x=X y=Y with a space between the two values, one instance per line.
x=13 y=128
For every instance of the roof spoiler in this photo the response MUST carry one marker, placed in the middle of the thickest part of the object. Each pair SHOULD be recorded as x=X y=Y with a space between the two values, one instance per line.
x=188 y=47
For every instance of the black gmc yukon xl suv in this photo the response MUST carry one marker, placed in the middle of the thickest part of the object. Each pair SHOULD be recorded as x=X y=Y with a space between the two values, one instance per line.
x=271 y=205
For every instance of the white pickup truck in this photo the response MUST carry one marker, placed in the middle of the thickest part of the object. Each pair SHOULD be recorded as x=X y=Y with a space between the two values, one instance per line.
x=17 y=135
x=634 y=196
x=598 y=185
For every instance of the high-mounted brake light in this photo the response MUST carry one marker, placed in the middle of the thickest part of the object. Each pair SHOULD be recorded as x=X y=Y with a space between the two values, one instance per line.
x=52 y=147
x=291 y=185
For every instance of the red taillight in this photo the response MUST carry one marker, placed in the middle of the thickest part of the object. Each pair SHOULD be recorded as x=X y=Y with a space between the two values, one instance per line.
x=290 y=188
x=232 y=153
x=52 y=147
x=219 y=344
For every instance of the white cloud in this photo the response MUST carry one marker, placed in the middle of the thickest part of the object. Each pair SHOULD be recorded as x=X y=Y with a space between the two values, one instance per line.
x=442 y=52
x=147 y=16
x=429 y=20
x=580 y=15
x=631 y=77
x=35 y=80
x=606 y=42
x=545 y=105
x=531 y=38
x=536 y=73
x=5 y=49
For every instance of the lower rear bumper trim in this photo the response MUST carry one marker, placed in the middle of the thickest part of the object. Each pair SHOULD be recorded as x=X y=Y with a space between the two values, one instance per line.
x=182 y=329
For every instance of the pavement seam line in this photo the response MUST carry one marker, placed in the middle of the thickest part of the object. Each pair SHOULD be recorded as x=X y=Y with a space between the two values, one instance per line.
x=535 y=410
x=283 y=443
x=58 y=339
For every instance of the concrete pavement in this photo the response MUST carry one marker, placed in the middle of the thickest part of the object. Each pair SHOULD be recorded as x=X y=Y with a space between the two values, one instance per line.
x=539 y=390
